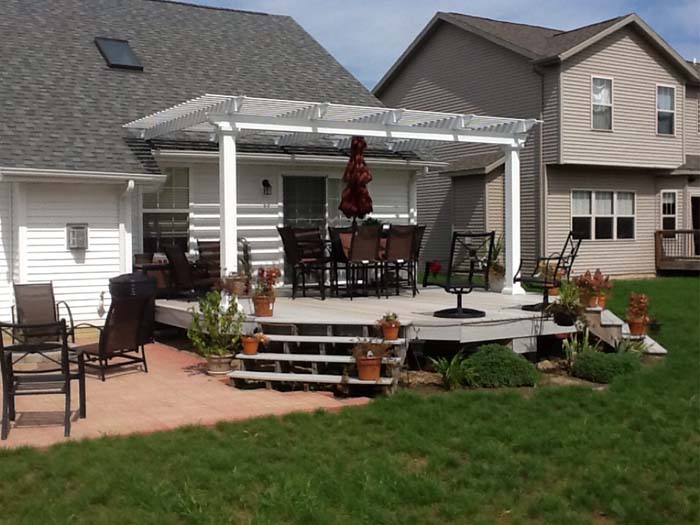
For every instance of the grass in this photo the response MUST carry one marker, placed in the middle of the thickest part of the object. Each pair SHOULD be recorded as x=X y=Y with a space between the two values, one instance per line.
x=628 y=455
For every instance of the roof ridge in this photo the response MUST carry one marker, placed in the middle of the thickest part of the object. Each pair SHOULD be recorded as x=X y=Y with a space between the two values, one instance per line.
x=608 y=20
x=213 y=7
x=501 y=21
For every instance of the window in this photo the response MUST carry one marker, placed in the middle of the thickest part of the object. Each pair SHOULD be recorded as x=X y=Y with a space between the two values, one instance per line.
x=668 y=210
x=166 y=213
x=118 y=53
x=602 y=214
x=601 y=103
x=665 y=110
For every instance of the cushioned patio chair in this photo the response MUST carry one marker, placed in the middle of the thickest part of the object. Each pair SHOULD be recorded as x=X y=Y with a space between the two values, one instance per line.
x=52 y=377
x=549 y=272
x=468 y=269
x=304 y=254
x=121 y=337
x=183 y=276
x=35 y=304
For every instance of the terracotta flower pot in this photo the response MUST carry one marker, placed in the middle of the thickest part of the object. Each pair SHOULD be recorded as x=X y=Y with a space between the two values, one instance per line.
x=602 y=300
x=263 y=305
x=250 y=345
x=553 y=291
x=638 y=327
x=390 y=329
x=592 y=301
x=219 y=364
x=369 y=368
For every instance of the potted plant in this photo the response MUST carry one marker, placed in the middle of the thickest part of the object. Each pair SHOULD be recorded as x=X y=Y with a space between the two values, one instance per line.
x=567 y=309
x=637 y=311
x=216 y=329
x=588 y=289
x=551 y=272
x=390 y=325
x=603 y=286
x=497 y=272
x=236 y=284
x=251 y=341
x=264 y=293
x=368 y=359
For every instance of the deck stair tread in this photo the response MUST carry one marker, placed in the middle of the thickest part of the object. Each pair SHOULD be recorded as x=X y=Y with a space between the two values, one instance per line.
x=309 y=358
x=333 y=339
x=607 y=318
x=306 y=378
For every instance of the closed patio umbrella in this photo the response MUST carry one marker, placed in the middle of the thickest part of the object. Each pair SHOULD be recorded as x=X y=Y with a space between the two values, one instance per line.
x=355 y=201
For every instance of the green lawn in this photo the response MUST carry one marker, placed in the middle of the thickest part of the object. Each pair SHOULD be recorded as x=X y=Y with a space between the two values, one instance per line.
x=563 y=456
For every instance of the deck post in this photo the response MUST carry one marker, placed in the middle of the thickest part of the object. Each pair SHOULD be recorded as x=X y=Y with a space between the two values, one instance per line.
x=228 y=235
x=512 y=226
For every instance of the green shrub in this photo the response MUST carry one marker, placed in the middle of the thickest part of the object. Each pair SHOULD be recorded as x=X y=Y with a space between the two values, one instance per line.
x=600 y=367
x=497 y=365
x=451 y=370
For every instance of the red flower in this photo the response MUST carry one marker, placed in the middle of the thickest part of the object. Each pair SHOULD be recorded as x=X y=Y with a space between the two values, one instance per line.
x=435 y=267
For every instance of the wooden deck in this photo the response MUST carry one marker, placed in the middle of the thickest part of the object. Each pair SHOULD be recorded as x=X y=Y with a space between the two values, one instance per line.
x=678 y=250
x=504 y=317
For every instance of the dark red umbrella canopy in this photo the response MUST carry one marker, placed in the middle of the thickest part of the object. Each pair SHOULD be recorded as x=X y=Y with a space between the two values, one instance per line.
x=356 y=202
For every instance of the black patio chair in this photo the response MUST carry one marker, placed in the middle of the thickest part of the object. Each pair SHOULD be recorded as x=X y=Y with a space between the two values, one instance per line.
x=550 y=272
x=121 y=337
x=304 y=254
x=364 y=258
x=35 y=304
x=52 y=376
x=182 y=274
x=398 y=256
x=468 y=269
x=340 y=240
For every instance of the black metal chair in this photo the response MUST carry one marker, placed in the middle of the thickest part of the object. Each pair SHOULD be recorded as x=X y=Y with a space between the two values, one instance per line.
x=398 y=256
x=52 y=376
x=549 y=272
x=304 y=254
x=364 y=258
x=183 y=276
x=468 y=268
x=340 y=240
x=121 y=337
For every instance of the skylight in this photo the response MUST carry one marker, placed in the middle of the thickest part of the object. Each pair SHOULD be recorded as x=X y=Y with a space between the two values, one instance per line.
x=118 y=53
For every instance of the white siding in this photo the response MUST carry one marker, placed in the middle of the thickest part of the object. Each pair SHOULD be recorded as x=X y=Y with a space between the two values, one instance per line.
x=636 y=68
x=78 y=277
x=6 y=255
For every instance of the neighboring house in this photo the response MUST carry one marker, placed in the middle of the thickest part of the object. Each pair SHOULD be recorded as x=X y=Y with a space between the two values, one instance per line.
x=618 y=155
x=66 y=162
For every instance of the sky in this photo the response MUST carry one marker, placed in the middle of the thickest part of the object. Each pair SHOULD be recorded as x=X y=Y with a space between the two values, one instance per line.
x=367 y=36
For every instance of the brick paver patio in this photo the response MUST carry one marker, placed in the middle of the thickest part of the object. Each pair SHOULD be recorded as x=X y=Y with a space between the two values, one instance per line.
x=174 y=393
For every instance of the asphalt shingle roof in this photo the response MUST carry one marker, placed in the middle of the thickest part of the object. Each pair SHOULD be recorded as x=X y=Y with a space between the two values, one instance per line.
x=61 y=107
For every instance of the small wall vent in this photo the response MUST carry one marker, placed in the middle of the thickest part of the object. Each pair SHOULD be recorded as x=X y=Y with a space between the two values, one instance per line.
x=77 y=236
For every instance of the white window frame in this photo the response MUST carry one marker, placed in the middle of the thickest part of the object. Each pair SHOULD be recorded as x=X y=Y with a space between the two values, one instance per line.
x=675 y=110
x=615 y=215
x=183 y=211
x=611 y=105
x=675 y=205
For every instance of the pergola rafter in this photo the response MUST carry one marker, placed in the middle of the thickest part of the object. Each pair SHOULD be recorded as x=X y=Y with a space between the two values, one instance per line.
x=294 y=122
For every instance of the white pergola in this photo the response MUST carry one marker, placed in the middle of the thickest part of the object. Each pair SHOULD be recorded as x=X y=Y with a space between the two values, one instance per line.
x=292 y=122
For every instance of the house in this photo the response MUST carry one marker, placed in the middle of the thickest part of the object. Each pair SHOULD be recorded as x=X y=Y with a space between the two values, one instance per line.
x=618 y=154
x=79 y=194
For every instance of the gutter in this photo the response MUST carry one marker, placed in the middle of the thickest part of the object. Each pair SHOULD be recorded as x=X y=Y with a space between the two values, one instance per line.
x=11 y=174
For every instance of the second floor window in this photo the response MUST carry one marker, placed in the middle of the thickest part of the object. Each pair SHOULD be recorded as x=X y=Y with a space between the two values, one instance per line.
x=665 y=110
x=601 y=103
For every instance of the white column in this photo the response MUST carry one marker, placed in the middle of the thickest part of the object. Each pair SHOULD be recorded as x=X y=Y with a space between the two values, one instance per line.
x=227 y=199
x=125 y=228
x=19 y=219
x=413 y=199
x=512 y=240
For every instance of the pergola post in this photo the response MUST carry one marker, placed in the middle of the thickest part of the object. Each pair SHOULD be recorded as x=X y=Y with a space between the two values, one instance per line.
x=512 y=226
x=227 y=199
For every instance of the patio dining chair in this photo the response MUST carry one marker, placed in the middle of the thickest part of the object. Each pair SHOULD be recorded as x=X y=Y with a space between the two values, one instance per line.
x=210 y=257
x=398 y=256
x=52 y=375
x=305 y=254
x=364 y=258
x=182 y=273
x=549 y=272
x=121 y=337
x=468 y=269
x=340 y=239
x=35 y=304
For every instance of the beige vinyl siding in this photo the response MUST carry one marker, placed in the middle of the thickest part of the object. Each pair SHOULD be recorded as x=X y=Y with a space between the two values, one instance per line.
x=457 y=71
x=636 y=69
x=259 y=215
x=79 y=277
x=469 y=203
x=496 y=205
x=614 y=257
x=6 y=255
x=692 y=121
x=551 y=101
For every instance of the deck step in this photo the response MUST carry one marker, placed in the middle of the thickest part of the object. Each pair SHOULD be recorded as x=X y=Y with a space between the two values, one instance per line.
x=308 y=358
x=331 y=339
x=307 y=378
x=607 y=318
